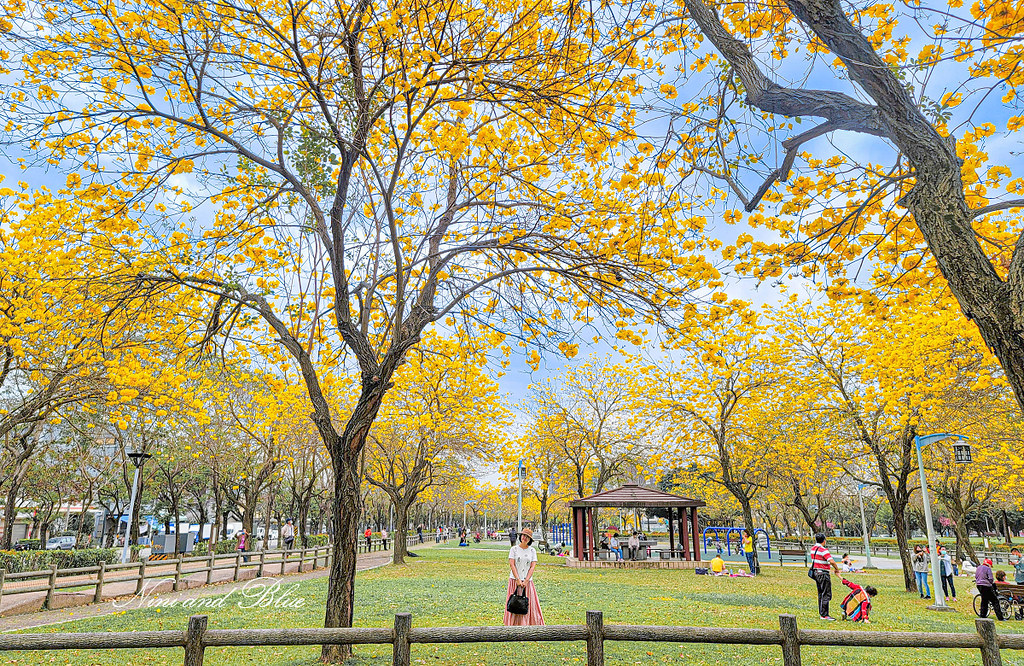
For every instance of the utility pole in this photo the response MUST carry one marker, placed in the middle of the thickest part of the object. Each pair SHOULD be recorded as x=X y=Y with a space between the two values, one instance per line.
x=864 y=526
x=522 y=473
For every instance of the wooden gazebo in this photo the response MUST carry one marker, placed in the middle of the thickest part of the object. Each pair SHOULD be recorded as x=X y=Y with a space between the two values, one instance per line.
x=632 y=496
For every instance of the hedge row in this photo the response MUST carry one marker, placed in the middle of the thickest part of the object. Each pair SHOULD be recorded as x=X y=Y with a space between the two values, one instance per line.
x=16 y=561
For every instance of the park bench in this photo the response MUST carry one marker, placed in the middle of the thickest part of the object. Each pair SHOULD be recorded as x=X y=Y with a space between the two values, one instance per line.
x=1011 y=601
x=793 y=555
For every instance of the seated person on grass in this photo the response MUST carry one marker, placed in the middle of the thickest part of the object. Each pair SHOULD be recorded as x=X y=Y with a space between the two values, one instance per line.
x=847 y=565
x=718 y=566
x=857 y=604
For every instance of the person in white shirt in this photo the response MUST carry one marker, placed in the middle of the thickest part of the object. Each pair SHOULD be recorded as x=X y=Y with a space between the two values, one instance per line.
x=634 y=545
x=384 y=537
x=288 y=534
x=522 y=560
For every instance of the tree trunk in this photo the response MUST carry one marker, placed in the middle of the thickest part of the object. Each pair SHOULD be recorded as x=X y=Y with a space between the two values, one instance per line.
x=401 y=532
x=9 y=514
x=899 y=521
x=345 y=512
x=302 y=522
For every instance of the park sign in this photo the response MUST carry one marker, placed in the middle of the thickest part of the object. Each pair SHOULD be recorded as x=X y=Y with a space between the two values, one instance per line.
x=962 y=452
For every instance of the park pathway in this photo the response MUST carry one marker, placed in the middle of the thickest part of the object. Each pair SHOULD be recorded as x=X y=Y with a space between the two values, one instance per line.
x=21 y=611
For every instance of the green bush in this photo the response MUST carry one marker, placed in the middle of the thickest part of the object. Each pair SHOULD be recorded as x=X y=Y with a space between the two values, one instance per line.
x=225 y=546
x=16 y=561
x=314 y=540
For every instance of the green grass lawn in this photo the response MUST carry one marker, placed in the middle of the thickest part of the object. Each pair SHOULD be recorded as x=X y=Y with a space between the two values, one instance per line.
x=453 y=586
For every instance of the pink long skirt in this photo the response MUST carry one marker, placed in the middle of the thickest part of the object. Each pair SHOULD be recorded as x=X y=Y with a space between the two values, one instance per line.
x=535 y=616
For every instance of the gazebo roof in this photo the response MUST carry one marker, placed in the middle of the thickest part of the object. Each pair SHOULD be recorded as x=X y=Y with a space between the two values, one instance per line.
x=632 y=496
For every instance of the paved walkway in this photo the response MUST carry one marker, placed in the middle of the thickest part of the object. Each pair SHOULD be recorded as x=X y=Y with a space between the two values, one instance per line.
x=22 y=611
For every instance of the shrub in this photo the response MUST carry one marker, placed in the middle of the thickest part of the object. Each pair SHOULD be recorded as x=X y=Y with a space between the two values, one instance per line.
x=16 y=561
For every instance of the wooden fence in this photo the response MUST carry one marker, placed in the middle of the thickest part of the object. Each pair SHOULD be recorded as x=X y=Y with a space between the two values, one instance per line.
x=266 y=562
x=997 y=556
x=196 y=638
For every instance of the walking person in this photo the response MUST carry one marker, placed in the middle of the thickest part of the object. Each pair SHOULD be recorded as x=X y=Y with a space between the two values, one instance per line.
x=242 y=541
x=522 y=560
x=985 y=583
x=368 y=535
x=437 y=537
x=946 y=574
x=511 y=536
x=821 y=561
x=288 y=534
x=384 y=537
x=920 y=563
x=748 y=550
x=419 y=532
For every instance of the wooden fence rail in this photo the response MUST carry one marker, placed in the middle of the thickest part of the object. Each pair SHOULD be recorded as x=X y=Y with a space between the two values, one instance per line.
x=878 y=550
x=196 y=638
x=97 y=577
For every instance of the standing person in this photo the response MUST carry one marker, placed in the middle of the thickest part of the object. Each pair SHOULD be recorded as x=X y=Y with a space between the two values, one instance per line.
x=243 y=540
x=419 y=532
x=985 y=583
x=1018 y=566
x=522 y=560
x=437 y=537
x=748 y=550
x=384 y=537
x=511 y=536
x=821 y=561
x=946 y=574
x=634 y=545
x=920 y=562
x=368 y=535
x=288 y=534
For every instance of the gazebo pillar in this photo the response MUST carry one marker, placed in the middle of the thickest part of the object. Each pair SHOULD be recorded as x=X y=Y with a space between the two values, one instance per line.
x=684 y=525
x=694 y=528
x=671 y=533
x=590 y=534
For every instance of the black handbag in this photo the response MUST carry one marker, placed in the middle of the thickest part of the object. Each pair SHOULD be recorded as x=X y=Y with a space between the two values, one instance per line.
x=518 y=603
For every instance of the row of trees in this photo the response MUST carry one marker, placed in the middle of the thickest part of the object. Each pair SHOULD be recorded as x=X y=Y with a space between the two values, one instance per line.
x=320 y=185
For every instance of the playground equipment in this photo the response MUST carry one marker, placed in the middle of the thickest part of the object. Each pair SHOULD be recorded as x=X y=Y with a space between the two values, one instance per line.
x=739 y=539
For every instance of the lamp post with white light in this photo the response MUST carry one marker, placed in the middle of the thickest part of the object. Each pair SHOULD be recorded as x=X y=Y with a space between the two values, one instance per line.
x=921 y=441
x=864 y=526
x=139 y=459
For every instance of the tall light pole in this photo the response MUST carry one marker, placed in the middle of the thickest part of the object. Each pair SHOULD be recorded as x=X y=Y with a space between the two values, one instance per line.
x=864 y=526
x=522 y=473
x=919 y=442
x=139 y=459
x=464 y=505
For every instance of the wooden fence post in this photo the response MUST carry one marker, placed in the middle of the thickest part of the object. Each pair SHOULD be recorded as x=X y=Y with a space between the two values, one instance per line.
x=177 y=574
x=3 y=575
x=989 y=643
x=595 y=638
x=209 y=571
x=142 y=577
x=194 y=640
x=238 y=564
x=98 y=596
x=790 y=640
x=48 y=603
x=263 y=559
x=302 y=557
x=284 y=560
x=402 y=654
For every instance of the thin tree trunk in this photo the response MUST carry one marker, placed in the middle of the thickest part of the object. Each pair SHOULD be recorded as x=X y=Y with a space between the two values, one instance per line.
x=900 y=527
x=401 y=532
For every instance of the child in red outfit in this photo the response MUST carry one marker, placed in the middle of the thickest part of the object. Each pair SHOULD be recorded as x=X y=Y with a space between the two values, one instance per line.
x=857 y=605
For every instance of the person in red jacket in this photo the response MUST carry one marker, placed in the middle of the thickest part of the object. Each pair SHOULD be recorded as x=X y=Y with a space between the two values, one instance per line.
x=857 y=605
x=368 y=534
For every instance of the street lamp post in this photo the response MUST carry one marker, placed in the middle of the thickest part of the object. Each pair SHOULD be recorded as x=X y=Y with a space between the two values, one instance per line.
x=522 y=473
x=139 y=459
x=921 y=441
x=864 y=527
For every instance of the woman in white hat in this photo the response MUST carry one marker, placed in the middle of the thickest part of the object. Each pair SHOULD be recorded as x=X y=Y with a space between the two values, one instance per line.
x=522 y=560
